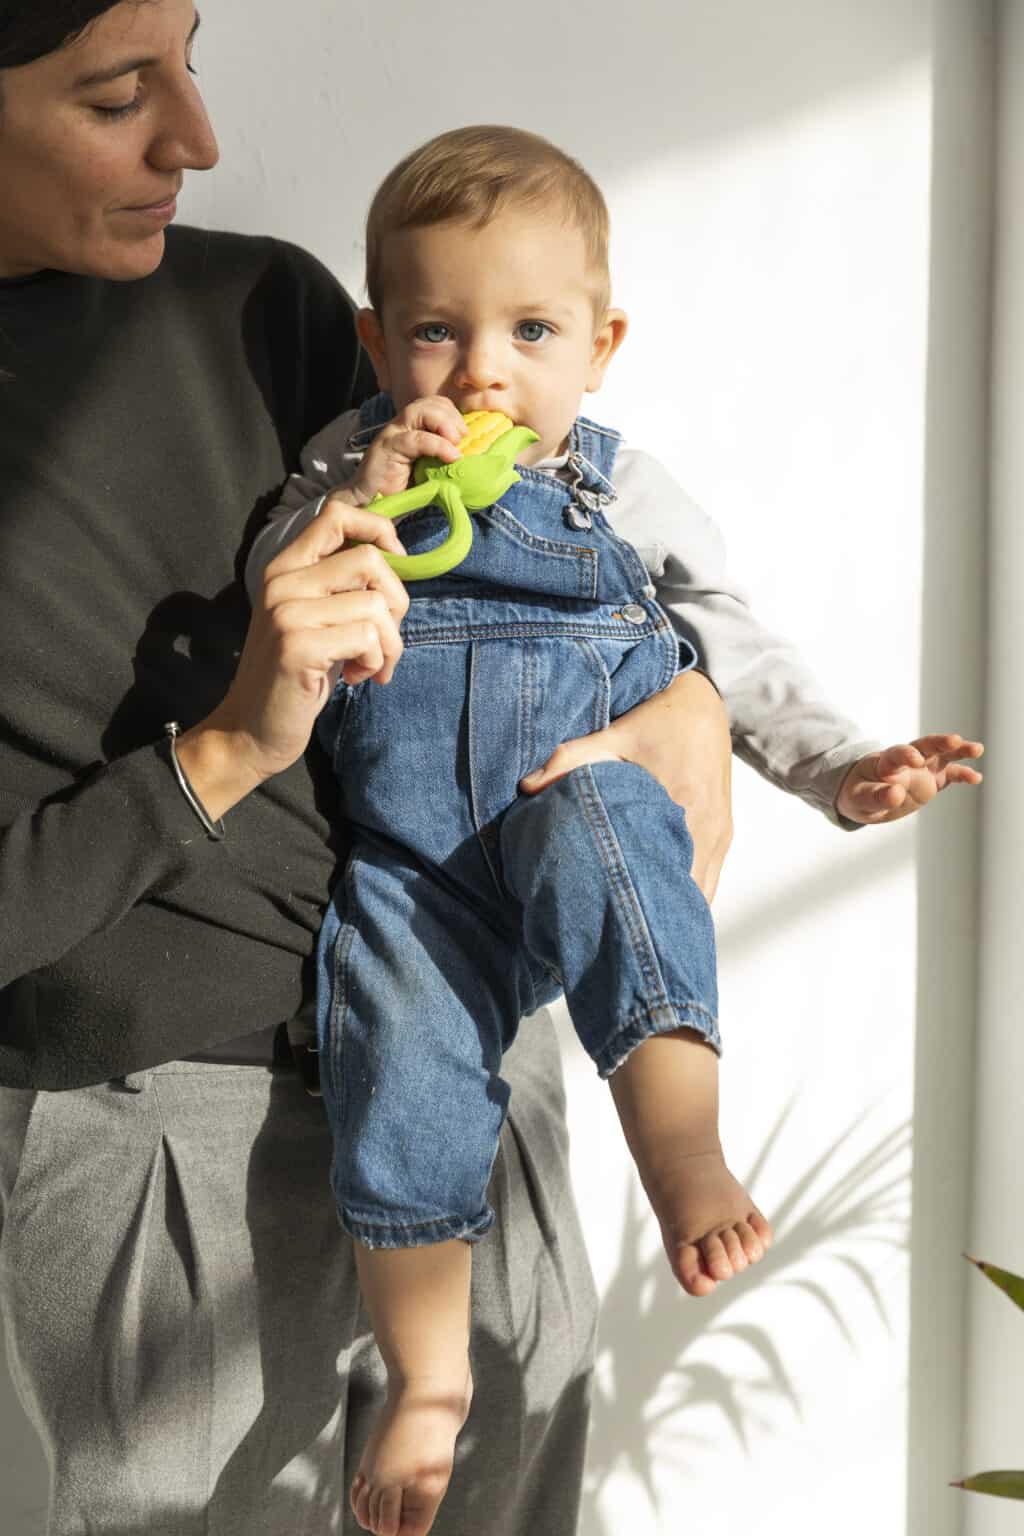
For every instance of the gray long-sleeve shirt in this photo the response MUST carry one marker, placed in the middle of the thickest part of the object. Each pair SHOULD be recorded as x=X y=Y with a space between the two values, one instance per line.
x=781 y=722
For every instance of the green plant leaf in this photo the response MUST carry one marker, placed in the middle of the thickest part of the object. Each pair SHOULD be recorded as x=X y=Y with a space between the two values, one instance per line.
x=1004 y=1485
x=1012 y=1284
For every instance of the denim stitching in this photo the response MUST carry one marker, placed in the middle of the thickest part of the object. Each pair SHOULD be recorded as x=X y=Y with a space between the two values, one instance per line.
x=585 y=558
x=426 y=634
x=629 y=906
x=527 y=709
x=339 y=995
x=638 y=1028
x=437 y=1229
x=476 y=809
x=603 y=687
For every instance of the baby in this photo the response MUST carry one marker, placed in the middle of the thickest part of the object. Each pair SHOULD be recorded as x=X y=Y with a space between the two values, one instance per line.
x=465 y=904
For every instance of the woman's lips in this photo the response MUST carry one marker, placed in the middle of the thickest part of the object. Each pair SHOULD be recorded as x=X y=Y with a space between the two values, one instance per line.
x=156 y=213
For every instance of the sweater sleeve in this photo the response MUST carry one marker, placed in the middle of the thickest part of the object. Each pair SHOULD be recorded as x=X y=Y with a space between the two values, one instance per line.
x=76 y=864
x=782 y=724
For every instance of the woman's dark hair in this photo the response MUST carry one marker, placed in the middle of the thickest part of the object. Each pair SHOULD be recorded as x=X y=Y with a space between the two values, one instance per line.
x=29 y=29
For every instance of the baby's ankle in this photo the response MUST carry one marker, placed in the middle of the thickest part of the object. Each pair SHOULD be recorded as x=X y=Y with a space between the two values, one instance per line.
x=447 y=1388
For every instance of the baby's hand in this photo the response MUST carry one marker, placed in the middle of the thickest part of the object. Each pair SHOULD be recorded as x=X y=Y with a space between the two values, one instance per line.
x=885 y=786
x=433 y=426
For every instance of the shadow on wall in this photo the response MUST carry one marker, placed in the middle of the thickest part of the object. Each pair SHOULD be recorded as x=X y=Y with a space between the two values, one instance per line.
x=646 y=1375
x=633 y=80
x=619 y=85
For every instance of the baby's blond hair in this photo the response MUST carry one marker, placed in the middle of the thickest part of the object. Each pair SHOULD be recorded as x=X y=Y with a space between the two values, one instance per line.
x=472 y=174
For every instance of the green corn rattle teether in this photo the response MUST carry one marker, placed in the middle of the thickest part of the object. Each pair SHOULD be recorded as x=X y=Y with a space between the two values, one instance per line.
x=483 y=474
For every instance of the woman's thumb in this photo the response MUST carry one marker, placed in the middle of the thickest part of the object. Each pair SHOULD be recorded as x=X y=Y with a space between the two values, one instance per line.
x=570 y=755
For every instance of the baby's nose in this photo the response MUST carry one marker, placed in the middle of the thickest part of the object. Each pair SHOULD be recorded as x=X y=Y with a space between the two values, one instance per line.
x=481 y=368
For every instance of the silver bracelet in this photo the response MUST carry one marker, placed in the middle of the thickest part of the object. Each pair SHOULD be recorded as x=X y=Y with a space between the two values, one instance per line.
x=214 y=829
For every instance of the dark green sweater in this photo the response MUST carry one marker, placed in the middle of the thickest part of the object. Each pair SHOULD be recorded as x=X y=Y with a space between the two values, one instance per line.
x=145 y=429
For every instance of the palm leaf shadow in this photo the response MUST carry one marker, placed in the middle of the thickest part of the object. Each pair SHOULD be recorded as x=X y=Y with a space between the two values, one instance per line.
x=648 y=1328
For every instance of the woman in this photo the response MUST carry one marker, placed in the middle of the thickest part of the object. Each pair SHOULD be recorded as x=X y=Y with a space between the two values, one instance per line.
x=180 y=1304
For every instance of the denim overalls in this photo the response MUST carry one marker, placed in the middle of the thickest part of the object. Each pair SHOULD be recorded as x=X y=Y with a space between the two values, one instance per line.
x=464 y=904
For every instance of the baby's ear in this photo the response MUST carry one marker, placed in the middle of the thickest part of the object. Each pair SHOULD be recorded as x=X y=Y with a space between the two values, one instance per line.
x=609 y=338
x=372 y=337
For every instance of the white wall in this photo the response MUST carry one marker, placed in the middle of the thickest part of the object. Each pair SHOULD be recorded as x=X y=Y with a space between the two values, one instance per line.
x=769 y=171
x=995 y=1381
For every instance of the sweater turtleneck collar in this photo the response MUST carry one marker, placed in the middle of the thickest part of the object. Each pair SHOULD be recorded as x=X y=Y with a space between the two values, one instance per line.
x=48 y=301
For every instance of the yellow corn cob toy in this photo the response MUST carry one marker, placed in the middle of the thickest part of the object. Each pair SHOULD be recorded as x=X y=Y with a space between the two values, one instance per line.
x=476 y=480
x=482 y=429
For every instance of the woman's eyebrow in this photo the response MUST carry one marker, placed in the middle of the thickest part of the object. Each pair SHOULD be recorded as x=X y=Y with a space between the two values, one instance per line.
x=128 y=67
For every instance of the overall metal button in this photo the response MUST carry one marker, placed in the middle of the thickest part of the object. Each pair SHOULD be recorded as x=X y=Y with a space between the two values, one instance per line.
x=634 y=614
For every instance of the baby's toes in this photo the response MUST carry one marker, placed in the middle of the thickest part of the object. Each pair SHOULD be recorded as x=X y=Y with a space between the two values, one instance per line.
x=690 y=1271
x=735 y=1250
x=750 y=1243
x=386 y=1512
x=762 y=1230
x=359 y=1498
x=716 y=1256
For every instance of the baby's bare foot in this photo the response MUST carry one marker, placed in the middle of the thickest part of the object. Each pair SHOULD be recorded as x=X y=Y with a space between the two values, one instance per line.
x=666 y=1093
x=407 y=1463
x=710 y=1227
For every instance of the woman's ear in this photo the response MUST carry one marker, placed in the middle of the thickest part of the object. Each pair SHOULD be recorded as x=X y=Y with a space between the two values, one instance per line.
x=372 y=337
x=609 y=338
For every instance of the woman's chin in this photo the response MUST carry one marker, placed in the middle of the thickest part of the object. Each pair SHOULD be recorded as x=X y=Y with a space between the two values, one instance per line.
x=125 y=261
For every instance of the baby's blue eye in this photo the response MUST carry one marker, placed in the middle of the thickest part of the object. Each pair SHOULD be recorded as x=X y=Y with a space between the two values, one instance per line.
x=435 y=332
x=532 y=330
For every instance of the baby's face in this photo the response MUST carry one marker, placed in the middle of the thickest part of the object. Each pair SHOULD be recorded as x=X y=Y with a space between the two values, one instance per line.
x=500 y=318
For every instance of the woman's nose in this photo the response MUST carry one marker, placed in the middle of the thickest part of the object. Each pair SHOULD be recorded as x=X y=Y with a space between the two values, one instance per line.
x=184 y=139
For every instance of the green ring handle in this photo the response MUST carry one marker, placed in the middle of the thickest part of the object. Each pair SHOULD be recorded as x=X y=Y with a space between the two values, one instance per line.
x=472 y=483
x=433 y=562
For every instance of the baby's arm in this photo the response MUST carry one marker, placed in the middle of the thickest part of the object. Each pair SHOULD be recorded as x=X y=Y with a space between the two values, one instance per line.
x=782 y=724
x=333 y=470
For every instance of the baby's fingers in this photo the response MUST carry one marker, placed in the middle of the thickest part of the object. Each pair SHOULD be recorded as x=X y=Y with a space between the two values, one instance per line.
x=895 y=760
x=961 y=773
x=432 y=427
x=871 y=798
x=406 y=447
x=948 y=745
x=436 y=413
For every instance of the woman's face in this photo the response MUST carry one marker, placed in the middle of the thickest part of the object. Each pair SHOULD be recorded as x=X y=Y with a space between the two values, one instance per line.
x=94 y=141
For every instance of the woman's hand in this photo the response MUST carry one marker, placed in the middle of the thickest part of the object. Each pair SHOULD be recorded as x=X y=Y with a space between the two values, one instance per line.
x=330 y=606
x=681 y=736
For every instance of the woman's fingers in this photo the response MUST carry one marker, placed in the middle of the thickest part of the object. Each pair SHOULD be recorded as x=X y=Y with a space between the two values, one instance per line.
x=339 y=526
x=571 y=754
x=359 y=567
x=320 y=632
x=681 y=737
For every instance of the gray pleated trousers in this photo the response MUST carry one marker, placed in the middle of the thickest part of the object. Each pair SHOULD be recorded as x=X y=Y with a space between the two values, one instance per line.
x=183 y=1318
